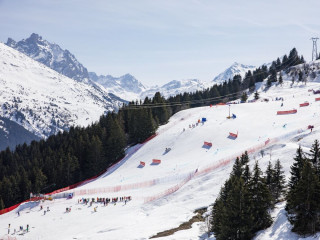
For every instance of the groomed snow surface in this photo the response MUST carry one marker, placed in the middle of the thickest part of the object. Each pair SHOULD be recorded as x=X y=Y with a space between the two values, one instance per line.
x=192 y=173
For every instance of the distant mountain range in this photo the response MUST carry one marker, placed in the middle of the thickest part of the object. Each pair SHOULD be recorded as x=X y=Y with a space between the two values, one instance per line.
x=45 y=102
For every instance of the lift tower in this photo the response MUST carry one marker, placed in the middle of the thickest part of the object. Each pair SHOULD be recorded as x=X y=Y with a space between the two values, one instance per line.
x=314 y=48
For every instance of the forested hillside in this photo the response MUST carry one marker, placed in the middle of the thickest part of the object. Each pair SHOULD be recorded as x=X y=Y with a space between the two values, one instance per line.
x=80 y=153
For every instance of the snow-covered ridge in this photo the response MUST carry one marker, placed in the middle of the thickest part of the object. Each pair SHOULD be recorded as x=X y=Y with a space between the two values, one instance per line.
x=234 y=69
x=43 y=101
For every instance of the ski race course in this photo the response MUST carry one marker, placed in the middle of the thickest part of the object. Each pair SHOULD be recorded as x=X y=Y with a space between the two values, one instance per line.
x=165 y=193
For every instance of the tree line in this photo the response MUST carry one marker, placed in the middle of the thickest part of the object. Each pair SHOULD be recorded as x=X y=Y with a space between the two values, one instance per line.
x=79 y=153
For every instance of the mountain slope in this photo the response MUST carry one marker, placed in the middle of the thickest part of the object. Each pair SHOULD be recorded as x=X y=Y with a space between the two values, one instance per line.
x=12 y=134
x=43 y=101
x=189 y=176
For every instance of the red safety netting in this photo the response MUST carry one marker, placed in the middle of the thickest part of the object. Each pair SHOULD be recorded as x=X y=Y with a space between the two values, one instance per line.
x=170 y=190
x=7 y=237
x=317 y=99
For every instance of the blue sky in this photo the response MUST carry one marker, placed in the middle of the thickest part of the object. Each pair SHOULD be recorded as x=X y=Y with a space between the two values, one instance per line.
x=161 y=40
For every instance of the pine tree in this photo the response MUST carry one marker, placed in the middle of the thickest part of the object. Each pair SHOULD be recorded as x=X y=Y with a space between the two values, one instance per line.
x=256 y=95
x=280 y=79
x=237 y=168
x=236 y=221
x=244 y=97
x=269 y=82
x=269 y=179
x=278 y=181
x=314 y=156
x=218 y=210
x=2 y=206
x=244 y=158
x=295 y=171
x=305 y=202
x=260 y=199
x=161 y=112
x=284 y=63
x=296 y=168
x=246 y=174
x=300 y=78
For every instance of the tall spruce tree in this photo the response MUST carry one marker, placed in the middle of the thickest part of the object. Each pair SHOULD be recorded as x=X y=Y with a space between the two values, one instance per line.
x=244 y=158
x=305 y=202
x=279 y=181
x=260 y=200
x=314 y=156
x=280 y=79
x=236 y=222
x=244 y=97
x=296 y=168
x=269 y=179
x=2 y=206
x=246 y=174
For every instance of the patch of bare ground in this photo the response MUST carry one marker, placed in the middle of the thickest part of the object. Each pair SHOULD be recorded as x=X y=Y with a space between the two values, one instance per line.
x=186 y=225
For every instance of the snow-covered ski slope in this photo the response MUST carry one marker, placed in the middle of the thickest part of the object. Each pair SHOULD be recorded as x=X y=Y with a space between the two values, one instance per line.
x=189 y=176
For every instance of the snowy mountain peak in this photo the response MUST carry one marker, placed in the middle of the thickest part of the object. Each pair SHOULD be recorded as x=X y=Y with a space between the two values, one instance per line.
x=234 y=69
x=174 y=84
x=51 y=55
x=126 y=86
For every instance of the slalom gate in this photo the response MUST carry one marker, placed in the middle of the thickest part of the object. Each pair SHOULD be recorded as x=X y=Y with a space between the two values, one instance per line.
x=287 y=112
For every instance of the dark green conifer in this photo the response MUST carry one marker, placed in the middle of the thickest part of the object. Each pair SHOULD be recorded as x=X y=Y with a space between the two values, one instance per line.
x=260 y=200
x=278 y=181
x=305 y=202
